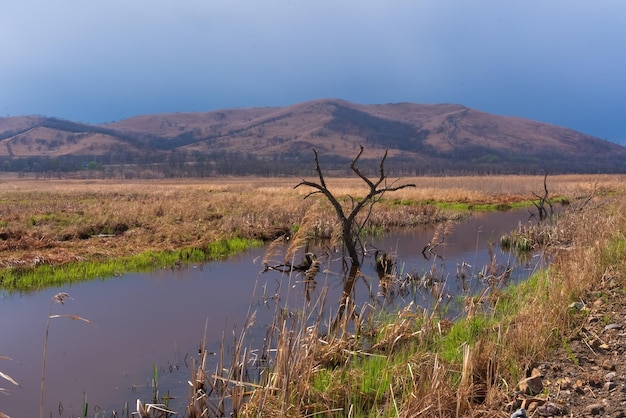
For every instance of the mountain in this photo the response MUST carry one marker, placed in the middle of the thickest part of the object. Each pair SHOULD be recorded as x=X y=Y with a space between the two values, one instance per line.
x=438 y=138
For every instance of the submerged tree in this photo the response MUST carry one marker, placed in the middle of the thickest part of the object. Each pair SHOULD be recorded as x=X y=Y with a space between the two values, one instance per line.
x=348 y=217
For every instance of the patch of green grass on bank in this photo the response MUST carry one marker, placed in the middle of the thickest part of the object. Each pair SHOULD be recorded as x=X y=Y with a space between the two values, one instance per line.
x=403 y=202
x=464 y=331
x=481 y=207
x=43 y=276
x=365 y=381
x=227 y=247
x=491 y=207
x=364 y=384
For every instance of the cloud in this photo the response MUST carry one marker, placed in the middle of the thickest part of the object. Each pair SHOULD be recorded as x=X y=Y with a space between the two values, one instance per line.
x=99 y=61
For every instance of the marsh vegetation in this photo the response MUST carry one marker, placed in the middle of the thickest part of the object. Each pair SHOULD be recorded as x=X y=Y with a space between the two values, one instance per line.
x=408 y=362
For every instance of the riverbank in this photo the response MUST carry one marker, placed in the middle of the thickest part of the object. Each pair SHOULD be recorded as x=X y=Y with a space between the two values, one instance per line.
x=553 y=345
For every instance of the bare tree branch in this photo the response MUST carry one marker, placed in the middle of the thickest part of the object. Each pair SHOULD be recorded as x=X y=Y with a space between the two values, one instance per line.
x=350 y=229
x=541 y=209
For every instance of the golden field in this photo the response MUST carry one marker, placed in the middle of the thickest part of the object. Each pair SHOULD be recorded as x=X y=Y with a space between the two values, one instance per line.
x=56 y=221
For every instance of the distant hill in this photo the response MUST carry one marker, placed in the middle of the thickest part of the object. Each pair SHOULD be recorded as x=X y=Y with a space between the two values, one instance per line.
x=421 y=139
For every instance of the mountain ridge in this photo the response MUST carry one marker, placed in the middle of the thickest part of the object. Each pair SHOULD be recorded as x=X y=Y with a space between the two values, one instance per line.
x=431 y=136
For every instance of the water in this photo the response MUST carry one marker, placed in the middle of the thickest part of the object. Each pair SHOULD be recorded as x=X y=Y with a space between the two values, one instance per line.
x=141 y=320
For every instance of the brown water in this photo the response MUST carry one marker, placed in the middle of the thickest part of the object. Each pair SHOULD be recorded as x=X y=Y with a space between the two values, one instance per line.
x=159 y=318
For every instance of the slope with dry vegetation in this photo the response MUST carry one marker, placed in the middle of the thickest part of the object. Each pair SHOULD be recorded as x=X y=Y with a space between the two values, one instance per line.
x=420 y=138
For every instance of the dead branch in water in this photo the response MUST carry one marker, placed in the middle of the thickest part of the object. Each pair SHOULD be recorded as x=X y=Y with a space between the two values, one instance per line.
x=350 y=228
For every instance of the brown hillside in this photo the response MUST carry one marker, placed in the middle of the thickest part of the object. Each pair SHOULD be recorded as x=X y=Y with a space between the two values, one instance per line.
x=428 y=135
x=50 y=142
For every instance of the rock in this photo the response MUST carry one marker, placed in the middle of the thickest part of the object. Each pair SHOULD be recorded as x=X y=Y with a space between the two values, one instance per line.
x=550 y=409
x=520 y=413
x=595 y=408
x=609 y=386
x=532 y=385
x=610 y=377
x=611 y=327
x=579 y=306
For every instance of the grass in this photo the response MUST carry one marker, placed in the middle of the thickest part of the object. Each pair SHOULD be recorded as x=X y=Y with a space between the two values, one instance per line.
x=416 y=361
x=371 y=365
x=56 y=221
x=45 y=275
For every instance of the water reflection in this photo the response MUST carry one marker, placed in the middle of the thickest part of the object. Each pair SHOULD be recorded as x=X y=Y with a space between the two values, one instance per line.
x=434 y=267
x=143 y=319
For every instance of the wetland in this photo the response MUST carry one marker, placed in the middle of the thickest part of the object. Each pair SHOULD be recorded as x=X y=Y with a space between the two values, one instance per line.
x=150 y=322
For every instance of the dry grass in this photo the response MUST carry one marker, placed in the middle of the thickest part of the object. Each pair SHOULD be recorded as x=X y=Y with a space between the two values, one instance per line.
x=57 y=221
x=432 y=368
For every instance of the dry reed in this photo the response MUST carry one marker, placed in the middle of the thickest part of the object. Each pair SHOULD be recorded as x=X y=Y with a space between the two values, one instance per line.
x=143 y=215
x=60 y=298
x=532 y=320
x=57 y=221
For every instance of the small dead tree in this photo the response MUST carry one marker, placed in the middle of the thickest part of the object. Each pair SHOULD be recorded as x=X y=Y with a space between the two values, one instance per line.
x=351 y=227
x=543 y=200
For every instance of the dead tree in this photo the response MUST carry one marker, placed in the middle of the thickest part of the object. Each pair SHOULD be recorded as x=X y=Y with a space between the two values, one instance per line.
x=351 y=227
x=543 y=200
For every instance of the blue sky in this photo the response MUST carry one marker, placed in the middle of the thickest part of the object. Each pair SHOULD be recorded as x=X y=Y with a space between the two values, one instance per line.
x=556 y=61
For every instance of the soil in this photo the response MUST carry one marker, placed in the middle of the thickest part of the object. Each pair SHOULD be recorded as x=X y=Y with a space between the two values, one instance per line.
x=586 y=377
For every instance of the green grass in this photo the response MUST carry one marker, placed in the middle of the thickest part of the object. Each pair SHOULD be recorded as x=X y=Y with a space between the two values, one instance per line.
x=364 y=382
x=403 y=202
x=486 y=207
x=47 y=276
x=570 y=353
x=490 y=207
x=375 y=378
x=226 y=247
x=615 y=252
x=450 y=345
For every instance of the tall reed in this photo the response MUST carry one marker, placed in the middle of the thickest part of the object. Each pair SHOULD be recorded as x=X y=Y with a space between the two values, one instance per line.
x=420 y=364
x=8 y=379
x=61 y=298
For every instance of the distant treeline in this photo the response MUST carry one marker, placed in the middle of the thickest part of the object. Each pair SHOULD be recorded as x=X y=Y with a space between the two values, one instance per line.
x=182 y=164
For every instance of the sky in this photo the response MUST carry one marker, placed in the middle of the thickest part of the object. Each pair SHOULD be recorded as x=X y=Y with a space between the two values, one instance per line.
x=557 y=61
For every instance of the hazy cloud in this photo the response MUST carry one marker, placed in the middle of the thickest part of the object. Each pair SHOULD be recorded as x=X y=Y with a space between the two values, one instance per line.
x=558 y=61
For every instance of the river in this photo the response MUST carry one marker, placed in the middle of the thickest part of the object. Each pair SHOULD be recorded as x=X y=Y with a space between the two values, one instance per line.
x=141 y=321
